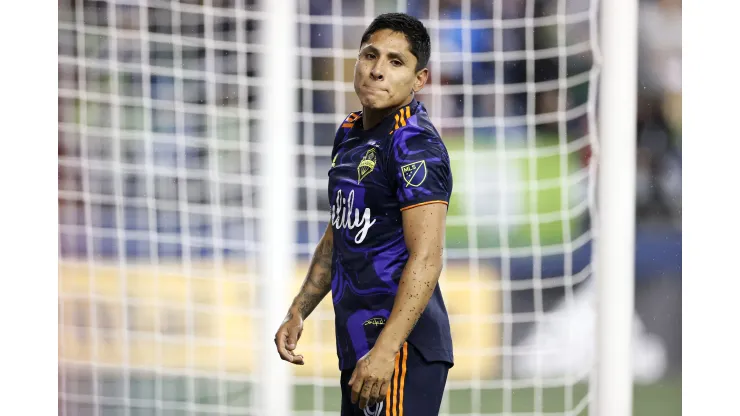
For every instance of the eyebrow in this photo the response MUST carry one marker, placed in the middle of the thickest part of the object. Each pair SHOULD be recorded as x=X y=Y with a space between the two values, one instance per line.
x=392 y=55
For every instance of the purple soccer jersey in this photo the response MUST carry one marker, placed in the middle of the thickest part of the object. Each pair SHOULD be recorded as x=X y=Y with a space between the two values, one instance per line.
x=375 y=175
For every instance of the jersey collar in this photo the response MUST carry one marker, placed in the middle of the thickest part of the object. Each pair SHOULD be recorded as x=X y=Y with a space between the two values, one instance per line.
x=395 y=120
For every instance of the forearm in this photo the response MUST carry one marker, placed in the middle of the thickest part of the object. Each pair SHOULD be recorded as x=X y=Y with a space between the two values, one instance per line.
x=418 y=281
x=317 y=282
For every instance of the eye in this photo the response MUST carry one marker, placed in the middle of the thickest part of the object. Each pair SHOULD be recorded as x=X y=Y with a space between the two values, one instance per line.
x=370 y=55
x=396 y=62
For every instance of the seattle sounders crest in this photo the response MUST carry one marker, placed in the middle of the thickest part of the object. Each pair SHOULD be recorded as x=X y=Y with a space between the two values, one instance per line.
x=414 y=173
x=367 y=164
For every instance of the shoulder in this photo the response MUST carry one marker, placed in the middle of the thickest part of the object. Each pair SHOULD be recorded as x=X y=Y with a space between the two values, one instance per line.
x=349 y=121
x=415 y=126
x=419 y=136
x=345 y=127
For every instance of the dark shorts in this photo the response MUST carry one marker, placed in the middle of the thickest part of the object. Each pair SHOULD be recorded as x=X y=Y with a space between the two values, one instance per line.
x=415 y=390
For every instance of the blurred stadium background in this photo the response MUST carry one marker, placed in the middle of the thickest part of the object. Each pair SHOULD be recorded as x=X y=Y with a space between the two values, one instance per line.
x=160 y=157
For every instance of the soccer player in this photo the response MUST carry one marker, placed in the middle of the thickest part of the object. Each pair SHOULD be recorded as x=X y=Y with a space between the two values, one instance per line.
x=381 y=255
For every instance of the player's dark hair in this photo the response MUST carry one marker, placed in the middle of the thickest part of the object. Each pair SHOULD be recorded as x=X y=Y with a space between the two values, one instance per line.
x=415 y=32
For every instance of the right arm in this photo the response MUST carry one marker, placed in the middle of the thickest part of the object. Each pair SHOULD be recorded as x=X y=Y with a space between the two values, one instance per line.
x=315 y=287
x=318 y=279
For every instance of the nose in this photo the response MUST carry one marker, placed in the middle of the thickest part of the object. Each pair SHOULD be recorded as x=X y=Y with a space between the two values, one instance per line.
x=376 y=73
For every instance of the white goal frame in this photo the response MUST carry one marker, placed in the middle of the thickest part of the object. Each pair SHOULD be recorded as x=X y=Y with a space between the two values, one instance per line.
x=278 y=136
x=614 y=240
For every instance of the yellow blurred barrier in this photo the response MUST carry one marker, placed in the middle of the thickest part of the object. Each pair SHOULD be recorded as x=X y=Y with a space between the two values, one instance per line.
x=205 y=318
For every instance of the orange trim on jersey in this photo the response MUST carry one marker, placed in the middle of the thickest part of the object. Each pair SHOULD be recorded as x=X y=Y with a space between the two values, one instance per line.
x=401 y=117
x=425 y=203
x=388 y=400
x=350 y=120
x=403 y=378
x=390 y=410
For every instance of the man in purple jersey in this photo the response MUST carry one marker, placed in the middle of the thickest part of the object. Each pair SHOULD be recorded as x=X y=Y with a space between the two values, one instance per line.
x=381 y=256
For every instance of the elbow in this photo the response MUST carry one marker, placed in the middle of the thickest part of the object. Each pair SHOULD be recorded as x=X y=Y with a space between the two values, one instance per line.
x=428 y=259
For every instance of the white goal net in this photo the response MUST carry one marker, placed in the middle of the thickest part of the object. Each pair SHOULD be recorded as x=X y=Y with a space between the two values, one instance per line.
x=160 y=160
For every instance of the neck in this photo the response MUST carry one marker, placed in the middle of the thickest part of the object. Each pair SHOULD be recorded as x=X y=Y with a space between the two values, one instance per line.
x=371 y=117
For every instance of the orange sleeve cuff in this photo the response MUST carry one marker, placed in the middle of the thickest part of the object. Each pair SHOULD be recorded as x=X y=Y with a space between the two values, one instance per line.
x=424 y=203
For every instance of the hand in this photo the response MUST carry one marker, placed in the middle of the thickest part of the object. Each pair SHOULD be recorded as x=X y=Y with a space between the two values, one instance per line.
x=371 y=378
x=287 y=337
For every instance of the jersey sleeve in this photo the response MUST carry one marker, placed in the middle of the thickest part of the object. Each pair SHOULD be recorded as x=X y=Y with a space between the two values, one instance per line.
x=420 y=168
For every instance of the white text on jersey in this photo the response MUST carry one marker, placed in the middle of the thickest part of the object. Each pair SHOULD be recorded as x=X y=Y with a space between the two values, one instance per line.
x=342 y=216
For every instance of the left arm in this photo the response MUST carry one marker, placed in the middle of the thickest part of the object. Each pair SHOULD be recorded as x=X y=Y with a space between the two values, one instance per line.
x=424 y=229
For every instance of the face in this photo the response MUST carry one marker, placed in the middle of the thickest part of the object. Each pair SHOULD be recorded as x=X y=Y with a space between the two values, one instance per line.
x=385 y=74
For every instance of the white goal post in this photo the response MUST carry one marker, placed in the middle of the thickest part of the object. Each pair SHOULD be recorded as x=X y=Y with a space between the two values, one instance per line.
x=279 y=188
x=615 y=241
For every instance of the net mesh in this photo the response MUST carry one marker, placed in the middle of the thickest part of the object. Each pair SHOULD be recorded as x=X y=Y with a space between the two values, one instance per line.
x=158 y=188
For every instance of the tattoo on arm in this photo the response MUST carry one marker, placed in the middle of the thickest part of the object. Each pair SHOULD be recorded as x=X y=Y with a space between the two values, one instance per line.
x=318 y=280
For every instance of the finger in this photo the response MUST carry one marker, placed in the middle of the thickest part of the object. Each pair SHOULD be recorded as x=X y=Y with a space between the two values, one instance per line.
x=366 y=397
x=374 y=394
x=280 y=345
x=384 y=389
x=293 y=335
x=352 y=379
x=356 y=389
x=365 y=392
x=298 y=359
x=286 y=354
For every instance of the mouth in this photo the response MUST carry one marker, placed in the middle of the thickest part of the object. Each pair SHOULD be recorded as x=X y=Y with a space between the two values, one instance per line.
x=372 y=89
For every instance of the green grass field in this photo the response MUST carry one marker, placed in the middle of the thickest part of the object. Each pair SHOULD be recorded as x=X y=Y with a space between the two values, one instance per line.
x=176 y=396
x=661 y=399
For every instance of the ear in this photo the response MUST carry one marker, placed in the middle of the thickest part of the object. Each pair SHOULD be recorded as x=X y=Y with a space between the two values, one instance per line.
x=421 y=79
